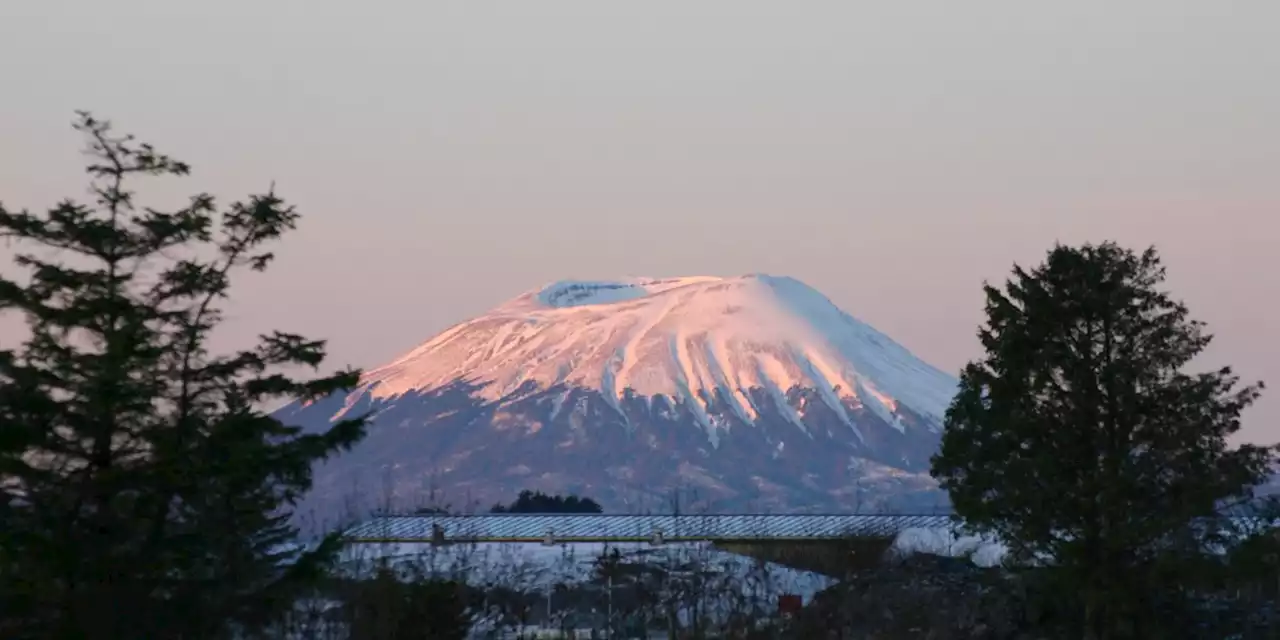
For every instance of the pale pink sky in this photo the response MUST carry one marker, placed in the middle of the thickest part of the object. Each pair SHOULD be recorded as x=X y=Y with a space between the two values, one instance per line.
x=449 y=155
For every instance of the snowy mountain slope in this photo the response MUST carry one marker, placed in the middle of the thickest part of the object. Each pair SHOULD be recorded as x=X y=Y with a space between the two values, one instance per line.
x=754 y=385
x=683 y=338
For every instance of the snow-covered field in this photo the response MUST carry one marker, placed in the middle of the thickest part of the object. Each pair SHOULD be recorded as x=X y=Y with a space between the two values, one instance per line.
x=531 y=566
x=534 y=567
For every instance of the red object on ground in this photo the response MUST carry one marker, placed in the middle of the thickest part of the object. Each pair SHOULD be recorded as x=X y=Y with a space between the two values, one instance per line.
x=789 y=603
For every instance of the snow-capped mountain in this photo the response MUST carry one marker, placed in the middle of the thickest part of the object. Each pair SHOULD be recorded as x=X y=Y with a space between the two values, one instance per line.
x=754 y=392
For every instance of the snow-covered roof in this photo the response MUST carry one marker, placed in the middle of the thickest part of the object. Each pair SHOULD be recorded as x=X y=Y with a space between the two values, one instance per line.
x=617 y=528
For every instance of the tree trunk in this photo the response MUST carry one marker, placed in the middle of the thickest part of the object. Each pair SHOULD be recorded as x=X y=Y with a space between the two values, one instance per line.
x=1094 y=618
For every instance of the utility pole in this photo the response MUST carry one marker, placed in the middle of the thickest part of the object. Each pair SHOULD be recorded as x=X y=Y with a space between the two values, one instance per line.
x=549 y=541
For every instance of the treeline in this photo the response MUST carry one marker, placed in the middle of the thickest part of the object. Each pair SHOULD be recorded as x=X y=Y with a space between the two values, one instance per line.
x=539 y=502
x=145 y=494
x=529 y=502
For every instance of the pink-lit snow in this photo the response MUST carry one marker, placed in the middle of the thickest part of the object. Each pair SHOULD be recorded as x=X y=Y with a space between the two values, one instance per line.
x=684 y=338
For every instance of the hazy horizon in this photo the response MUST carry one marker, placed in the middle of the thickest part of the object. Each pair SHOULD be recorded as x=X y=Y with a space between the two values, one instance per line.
x=448 y=156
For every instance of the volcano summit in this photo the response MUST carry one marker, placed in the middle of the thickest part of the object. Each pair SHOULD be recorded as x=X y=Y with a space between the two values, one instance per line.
x=752 y=393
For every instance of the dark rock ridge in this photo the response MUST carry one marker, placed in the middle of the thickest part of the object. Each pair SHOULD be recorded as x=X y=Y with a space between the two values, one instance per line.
x=642 y=454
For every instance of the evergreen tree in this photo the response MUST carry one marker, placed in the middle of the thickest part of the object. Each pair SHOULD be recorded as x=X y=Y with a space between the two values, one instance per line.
x=389 y=606
x=145 y=492
x=1080 y=438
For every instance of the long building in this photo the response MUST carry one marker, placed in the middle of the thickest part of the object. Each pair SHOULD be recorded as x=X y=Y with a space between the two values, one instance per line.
x=830 y=544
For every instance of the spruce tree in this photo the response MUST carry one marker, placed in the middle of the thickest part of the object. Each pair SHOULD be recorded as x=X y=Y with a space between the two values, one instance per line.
x=1080 y=439
x=146 y=493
